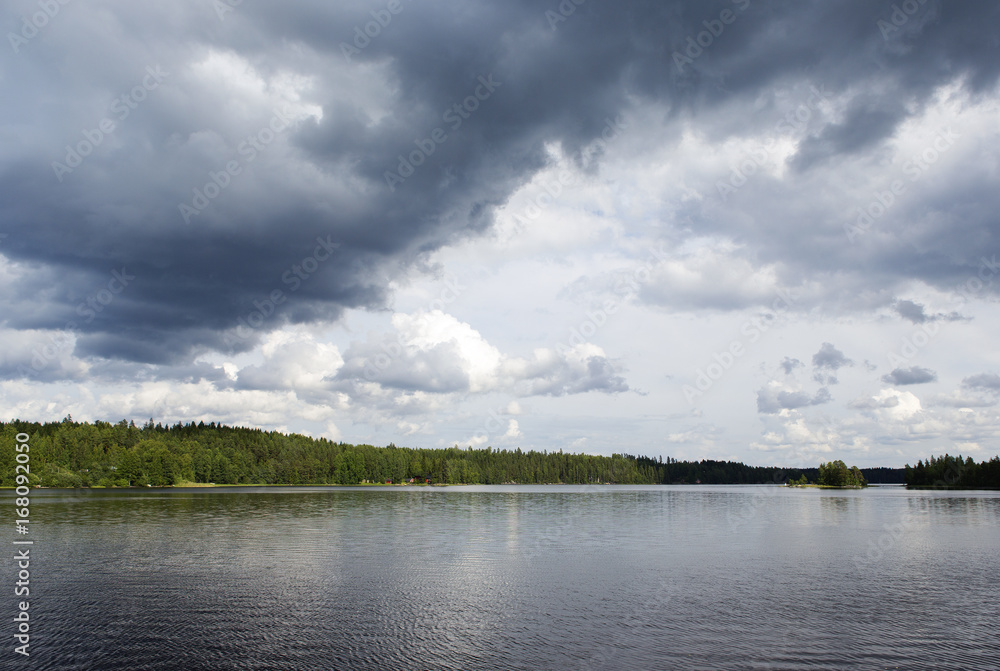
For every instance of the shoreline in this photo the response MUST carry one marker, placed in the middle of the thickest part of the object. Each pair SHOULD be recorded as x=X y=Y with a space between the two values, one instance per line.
x=203 y=485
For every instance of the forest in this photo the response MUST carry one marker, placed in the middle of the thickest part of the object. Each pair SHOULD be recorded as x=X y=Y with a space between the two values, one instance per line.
x=950 y=472
x=83 y=454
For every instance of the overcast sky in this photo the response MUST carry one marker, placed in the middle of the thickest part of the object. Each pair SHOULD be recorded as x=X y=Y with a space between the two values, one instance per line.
x=761 y=231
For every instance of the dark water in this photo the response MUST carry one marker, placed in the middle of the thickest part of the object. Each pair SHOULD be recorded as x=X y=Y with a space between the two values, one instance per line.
x=556 y=577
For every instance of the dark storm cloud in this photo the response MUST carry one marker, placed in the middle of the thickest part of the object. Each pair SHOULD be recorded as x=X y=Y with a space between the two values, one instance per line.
x=913 y=375
x=220 y=278
x=864 y=125
x=881 y=83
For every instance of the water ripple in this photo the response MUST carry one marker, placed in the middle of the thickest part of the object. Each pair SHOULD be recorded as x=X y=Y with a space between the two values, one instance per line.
x=509 y=578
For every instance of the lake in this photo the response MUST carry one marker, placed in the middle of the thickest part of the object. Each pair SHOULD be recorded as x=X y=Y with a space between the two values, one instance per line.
x=512 y=577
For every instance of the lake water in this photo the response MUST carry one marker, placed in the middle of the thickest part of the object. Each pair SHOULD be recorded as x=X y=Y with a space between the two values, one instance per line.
x=519 y=577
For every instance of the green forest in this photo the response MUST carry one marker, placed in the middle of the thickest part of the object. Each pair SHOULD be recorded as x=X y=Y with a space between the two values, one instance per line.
x=81 y=454
x=101 y=454
x=954 y=472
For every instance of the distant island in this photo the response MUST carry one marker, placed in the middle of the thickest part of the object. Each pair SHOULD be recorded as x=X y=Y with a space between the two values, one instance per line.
x=834 y=475
x=101 y=454
x=945 y=472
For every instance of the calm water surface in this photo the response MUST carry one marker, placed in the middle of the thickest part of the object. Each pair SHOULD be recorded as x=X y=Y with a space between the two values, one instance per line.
x=556 y=577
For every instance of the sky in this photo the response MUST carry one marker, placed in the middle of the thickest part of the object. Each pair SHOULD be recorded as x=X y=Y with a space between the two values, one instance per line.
x=737 y=229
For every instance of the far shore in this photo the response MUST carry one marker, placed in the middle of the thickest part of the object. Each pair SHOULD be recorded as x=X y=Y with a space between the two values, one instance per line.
x=213 y=485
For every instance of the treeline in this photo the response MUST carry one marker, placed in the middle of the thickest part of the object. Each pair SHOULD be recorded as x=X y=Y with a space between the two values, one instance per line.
x=884 y=476
x=709 y=472
x=74 y=454
x=954 y=472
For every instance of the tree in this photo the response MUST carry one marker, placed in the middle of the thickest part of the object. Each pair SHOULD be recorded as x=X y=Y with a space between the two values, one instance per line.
x=349 y=468
x=836 y=474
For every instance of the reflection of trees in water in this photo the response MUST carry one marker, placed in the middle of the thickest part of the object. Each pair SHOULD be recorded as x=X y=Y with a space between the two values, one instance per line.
x=836 y=509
